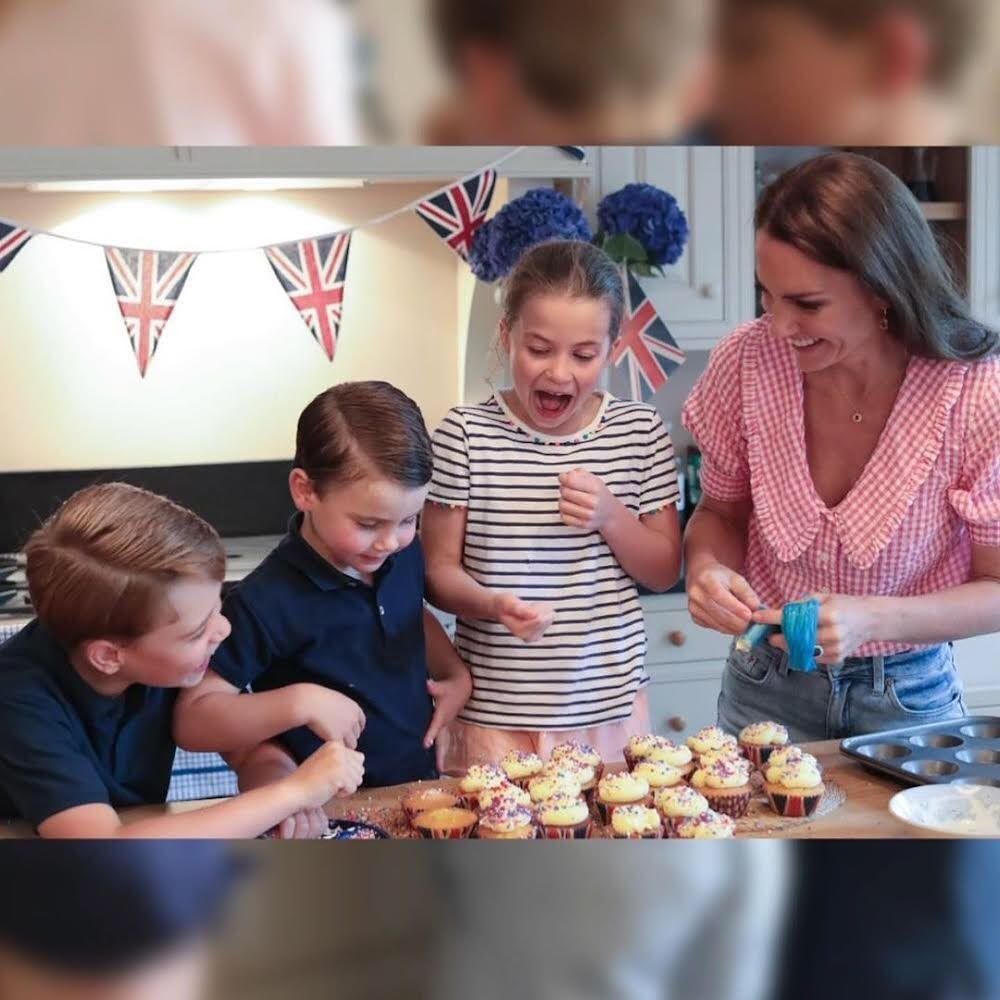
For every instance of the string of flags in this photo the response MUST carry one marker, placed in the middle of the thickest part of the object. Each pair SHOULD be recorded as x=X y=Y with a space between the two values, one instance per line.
x=312 y=272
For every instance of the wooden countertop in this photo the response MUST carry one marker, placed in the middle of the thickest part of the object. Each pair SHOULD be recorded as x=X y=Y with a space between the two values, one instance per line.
x=863 y=814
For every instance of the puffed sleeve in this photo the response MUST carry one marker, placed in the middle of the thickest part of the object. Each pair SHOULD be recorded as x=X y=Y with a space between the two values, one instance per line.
x=450 y=482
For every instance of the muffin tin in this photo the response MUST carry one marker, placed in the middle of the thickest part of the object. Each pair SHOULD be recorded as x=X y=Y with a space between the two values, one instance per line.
x=961 y=751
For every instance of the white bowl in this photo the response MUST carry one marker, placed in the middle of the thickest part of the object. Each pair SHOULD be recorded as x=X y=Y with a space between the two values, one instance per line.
x=950 y=810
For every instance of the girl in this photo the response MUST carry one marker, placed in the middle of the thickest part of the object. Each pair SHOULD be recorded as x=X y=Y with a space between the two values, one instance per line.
x=548 y=503
x=330 y=629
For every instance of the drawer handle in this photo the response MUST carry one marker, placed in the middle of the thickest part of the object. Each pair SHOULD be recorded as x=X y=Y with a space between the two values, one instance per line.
x=676 y=638
x=677 y=723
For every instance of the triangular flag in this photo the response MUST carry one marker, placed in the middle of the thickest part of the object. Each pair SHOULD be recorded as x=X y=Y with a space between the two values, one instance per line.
x=313 y=273
x=456 y=214
x=13 y=240
x=147 y=284
x=645 y=345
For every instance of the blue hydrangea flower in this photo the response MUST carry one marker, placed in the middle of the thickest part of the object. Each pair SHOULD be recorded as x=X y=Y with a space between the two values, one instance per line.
x=651 y=216
x=537 y=216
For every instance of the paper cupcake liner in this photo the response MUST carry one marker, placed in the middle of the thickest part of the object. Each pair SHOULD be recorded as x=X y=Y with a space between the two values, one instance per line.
x=793 y=804
x=722 y=801
x=757 y=755
x=451 y=833
x=630 y=761
x=648 y=835
x=578 y=831
x=412 y=813
x=605 y=810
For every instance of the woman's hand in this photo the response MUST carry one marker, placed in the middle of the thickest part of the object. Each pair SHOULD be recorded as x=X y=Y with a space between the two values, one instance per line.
x=844 y=624
x=720 y=599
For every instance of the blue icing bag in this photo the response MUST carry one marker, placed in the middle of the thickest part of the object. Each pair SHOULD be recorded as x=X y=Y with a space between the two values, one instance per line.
x=755 y=635
x=799 y=623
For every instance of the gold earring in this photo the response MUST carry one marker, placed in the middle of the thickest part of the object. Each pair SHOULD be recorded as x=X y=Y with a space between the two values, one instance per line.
x=885 y=318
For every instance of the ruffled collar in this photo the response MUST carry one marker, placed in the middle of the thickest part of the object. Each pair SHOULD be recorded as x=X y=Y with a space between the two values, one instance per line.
x=786 y=503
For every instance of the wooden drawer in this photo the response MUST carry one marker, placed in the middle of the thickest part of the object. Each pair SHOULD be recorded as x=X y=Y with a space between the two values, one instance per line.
x=683 y=699
x=672 y=637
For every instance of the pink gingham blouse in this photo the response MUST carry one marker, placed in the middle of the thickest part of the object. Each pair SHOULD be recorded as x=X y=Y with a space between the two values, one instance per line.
x=929 y=492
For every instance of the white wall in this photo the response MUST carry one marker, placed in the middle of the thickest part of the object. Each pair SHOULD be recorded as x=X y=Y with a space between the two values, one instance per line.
x=236 y=363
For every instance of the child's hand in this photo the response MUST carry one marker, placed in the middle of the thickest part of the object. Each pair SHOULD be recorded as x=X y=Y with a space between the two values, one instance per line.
x=332 y=770
x=308 y=824
x=584 y=500
x=332 y=716
x=526 y=621
x=449 y=697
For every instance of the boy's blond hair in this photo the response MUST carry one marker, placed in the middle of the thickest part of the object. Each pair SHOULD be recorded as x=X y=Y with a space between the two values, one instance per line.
x=956 y=27
x=100 y=566
x=571 y=54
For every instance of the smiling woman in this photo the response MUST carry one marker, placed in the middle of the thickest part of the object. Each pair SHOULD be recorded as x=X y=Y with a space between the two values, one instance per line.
x=850 y=441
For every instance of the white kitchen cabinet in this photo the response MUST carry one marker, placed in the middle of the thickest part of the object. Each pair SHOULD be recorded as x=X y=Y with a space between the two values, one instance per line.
x=979 y=667
x=710 y=290
x=23 y=165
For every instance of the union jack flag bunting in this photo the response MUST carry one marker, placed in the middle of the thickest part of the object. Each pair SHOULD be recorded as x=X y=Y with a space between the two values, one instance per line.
x=147 y=284
x=645 y=345
x=12 y=241
x=457 y=213
x=312 y=273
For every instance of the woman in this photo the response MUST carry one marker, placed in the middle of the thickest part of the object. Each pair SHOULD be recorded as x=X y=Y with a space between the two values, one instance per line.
x=850 y=443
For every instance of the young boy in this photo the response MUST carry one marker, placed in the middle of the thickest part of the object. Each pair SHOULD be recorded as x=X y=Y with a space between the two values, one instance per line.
x=549 y=71
x=126 y=586
x=854 y=72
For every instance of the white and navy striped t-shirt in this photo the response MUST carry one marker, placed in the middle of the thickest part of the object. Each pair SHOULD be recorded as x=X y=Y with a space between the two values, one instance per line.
x=586 y=669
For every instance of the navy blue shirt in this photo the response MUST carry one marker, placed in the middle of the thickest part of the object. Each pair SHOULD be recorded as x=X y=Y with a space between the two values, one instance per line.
x=297 y=619
x=63 y=745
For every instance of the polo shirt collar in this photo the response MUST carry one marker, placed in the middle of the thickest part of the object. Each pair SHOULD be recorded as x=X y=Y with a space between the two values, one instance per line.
x=297 y=552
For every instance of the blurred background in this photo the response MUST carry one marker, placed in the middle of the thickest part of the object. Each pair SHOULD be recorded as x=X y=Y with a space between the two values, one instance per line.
x=700 y=921
x=341 y=72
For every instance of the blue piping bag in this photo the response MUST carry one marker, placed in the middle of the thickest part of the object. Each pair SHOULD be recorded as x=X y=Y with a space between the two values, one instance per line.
x=800 y=623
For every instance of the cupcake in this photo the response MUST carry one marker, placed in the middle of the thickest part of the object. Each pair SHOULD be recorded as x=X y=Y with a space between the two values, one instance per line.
x=507 y=793
x=710 y=738
x=726 y=785
x=785 y=754
x=636 y=823
x=581 y=772
x=451 y=823
x=667 y=752
x=729 y=752
x=478 y=777
x=677 y=803
x=705 y=826
x=620 y=788
x=637 y=748
x=584 y=753
x=564 y=817
x=658 y=774
x=760 y=739
x=504 y=821
x=554 y=782
x=520 y=766
x=795 y=787
x=424 y=799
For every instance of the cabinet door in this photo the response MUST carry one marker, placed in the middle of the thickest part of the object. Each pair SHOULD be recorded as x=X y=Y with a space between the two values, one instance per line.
x=710 y=289
x=683 y=699
x=977 y=661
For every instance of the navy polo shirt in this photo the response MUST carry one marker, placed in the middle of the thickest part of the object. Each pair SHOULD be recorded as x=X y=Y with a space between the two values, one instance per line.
x=63 y=745
x=298 y=619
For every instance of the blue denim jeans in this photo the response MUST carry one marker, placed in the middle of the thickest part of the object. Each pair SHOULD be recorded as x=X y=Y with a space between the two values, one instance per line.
x=860 y=695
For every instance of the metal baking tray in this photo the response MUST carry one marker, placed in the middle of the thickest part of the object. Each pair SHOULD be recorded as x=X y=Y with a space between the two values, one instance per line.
x=962 y=751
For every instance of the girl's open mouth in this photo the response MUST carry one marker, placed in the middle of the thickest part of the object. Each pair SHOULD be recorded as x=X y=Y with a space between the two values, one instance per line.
x=552 y=404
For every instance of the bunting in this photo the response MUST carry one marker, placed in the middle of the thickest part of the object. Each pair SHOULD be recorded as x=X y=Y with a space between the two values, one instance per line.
x=457 y=212
x=13 y=240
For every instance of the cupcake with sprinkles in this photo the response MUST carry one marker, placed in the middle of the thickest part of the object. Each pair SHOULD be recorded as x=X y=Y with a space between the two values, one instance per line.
x=726 y=785
x=620 y=788
x=795 y=787
x=667 y=752
x=583 y=753
x=478 y=777
x=760 y=739
x=583 y=773
x=711 y=738
x=636 y=823
x=452 y=823
x=560 y=781
x=424 y=799
x=638 y=748
x=708 y=825
x=504 y=821
x=505 y=792
x=658 y=774
x=786 y=754
x=520 y=766
x=678 y=803
x=564 y=817
x=729 y=752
